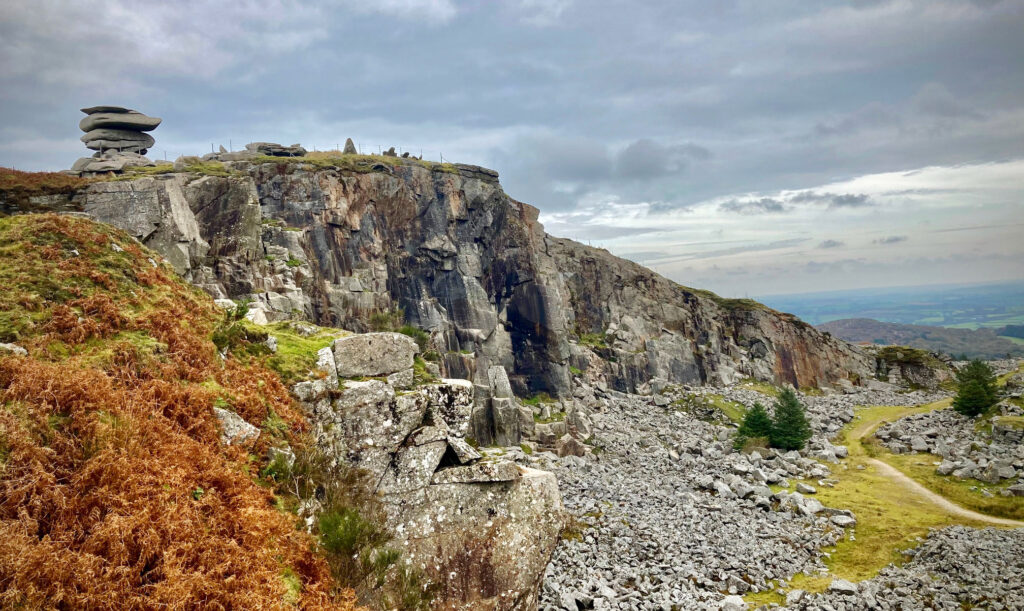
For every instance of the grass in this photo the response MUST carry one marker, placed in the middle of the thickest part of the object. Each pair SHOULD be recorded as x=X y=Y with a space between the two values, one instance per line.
x=1013 y=422
x=966 y=493
x=296 y=353
x=192 y=166
x=889 y=520
x=733 y=411
x=593 y=340
x=361 y=164
x=764 y=388
x=537 y=399
x=725 y=302
x=19 y=187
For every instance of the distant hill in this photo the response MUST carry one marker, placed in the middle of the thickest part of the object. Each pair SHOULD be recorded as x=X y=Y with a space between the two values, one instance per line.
x=975 y=343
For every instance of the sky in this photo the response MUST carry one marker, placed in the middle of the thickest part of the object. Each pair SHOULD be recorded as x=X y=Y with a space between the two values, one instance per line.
x=748 y=147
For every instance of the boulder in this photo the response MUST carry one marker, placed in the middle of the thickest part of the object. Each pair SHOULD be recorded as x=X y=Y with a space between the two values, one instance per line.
x=350 y=147
x=273 y=149
x=568 y=445
x=234 y=430
x=373 y=354
x=130 y=120
x=842 y=586
x=100 y=139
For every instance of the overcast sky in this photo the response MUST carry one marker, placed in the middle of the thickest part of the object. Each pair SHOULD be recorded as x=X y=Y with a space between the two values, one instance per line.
x=749 y=147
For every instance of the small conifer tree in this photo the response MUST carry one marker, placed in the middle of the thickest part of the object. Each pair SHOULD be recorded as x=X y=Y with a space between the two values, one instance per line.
x=756 y=423
x=976 y=389
x=790 y=429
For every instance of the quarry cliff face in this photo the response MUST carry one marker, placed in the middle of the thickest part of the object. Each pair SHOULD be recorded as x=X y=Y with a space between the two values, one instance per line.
x=464 y=261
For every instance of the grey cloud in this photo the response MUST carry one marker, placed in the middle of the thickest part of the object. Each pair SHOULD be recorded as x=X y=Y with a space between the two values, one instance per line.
x=936 y=100
x=833 y=200
x=721 y=252
x=786 y=95
x=765 y=205
x=645 y=158
x=830 y=244
x=893 y=239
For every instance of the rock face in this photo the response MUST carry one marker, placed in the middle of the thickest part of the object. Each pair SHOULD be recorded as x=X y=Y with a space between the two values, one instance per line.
x=118 y=136
x=483 y=529
x=469 y=265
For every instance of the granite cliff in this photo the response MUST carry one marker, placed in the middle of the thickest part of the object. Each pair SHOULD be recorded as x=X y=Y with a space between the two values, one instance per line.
x=345 y=241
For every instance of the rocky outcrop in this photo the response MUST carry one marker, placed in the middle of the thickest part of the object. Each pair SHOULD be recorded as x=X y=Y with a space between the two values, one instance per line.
x=474 y=268
x=118 y=136
x=910 y=366
x=482 y=528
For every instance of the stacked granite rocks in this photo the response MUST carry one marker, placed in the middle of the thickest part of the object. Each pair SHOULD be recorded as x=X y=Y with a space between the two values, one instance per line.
x=118 y=135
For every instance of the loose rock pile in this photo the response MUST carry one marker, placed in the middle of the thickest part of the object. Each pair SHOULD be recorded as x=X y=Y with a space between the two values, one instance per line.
x=955 y=568
x=670 y=515
x=118 y=135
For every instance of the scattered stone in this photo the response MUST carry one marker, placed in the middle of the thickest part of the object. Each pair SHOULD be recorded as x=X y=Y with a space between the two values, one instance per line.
x=803 y=488
x=13 y=349
x=234 y=429
x=842 y=586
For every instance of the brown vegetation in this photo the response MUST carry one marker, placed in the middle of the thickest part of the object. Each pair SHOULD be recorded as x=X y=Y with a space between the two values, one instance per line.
x=116 y=491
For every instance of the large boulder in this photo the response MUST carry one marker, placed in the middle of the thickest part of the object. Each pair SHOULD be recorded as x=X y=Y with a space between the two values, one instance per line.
x=373 y=354
x=103 y=139
x=130 y=120
x=276 y=150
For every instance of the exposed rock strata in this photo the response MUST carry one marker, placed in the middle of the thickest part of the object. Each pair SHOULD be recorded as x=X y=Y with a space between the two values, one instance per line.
x=471 y=266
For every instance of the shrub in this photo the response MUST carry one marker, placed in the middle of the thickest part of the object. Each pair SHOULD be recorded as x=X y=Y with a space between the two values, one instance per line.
x=790 y=429
x=756 y=423
x=976 y=389
x=421 y=336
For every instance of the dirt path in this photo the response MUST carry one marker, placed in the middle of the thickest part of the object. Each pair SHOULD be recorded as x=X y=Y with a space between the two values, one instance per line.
x=948 y=506
x=867 y=428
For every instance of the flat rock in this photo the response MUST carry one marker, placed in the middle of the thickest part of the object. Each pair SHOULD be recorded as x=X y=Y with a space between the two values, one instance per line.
x=373 y=354
x=95 y=109
x=131 y=120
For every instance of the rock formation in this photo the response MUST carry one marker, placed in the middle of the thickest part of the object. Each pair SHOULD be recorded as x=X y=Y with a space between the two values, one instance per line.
x=482 y=527
x=350 y=147
x=276 y=150
x=118 y=135
x=472 y=267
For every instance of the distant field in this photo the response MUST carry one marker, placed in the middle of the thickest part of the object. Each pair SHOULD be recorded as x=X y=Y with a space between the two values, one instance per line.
x=954 y=306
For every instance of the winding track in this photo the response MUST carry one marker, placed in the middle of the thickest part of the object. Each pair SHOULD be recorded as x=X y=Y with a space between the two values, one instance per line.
x=867 y=428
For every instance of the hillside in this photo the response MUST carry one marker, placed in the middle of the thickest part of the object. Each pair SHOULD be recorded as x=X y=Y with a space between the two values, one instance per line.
x=973 y=343
x=116 y=489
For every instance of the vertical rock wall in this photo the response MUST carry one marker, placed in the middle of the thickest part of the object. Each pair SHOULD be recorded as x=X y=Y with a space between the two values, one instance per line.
x=466 y=263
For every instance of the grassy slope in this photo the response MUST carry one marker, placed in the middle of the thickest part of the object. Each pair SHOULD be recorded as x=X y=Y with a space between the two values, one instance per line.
x=116 y=491
x=888 y=519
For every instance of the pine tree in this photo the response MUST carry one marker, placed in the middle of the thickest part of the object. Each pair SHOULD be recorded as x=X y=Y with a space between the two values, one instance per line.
x=976 y=389
x=756 y=423
x=790 y=429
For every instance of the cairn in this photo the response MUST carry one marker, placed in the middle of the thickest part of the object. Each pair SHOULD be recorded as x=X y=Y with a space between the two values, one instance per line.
x=118 y=135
